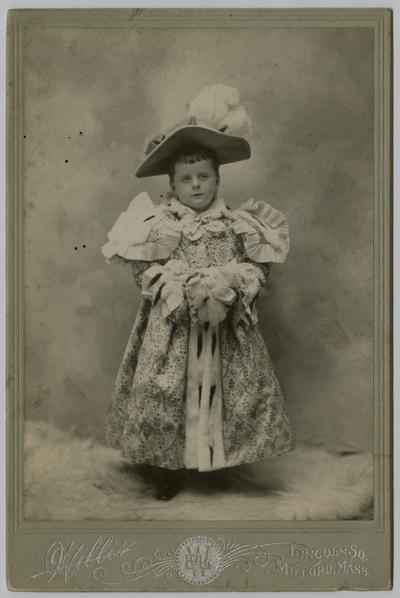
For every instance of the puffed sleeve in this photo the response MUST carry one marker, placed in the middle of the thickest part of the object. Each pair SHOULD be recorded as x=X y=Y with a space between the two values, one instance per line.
x=265 y=231
x=145 y=232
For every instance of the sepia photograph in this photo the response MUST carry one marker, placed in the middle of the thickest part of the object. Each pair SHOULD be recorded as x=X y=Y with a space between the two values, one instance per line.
x=199 y=213
x=183 y=158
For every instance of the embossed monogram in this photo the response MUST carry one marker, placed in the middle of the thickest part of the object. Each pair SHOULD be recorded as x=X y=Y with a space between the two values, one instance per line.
x=198 y=560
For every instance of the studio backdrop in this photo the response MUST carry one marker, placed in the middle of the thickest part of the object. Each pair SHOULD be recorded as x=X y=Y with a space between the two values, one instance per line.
x=93 y=97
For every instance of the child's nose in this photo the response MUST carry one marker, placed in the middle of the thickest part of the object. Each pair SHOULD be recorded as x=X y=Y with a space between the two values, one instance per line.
x=196 y=182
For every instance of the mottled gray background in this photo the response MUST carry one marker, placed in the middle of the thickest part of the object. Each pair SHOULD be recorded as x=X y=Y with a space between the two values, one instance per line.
x=92 y=98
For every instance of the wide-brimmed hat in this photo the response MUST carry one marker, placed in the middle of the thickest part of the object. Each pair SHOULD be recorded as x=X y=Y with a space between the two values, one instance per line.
x=215 y=120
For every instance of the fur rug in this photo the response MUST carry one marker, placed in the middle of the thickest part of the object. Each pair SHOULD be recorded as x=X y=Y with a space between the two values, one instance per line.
x=68 y=478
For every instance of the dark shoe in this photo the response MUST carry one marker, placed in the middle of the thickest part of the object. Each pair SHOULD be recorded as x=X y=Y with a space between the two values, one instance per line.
x=168 y=485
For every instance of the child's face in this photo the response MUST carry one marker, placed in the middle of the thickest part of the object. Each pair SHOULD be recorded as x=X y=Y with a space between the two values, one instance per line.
x=195 y=184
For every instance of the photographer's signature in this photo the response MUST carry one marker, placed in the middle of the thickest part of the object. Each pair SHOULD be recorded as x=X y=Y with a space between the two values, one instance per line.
x=66 y=560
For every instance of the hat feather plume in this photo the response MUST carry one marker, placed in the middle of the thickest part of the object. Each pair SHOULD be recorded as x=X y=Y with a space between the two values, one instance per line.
x=218 y=107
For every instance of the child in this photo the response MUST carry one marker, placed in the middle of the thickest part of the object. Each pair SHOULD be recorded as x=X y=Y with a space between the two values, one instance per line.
x=196 y=388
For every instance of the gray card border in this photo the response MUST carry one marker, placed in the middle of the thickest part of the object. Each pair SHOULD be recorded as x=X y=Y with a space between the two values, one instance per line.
x=24 y=538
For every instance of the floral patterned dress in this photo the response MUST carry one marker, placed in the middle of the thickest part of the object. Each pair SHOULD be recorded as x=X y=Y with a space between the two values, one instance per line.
x=196 y=387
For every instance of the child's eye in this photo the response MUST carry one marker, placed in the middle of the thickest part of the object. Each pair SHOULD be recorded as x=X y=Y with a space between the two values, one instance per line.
x=186 y=179
x=204 y=177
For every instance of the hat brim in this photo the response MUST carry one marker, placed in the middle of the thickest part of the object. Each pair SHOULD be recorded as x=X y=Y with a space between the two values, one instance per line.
x=227 y=148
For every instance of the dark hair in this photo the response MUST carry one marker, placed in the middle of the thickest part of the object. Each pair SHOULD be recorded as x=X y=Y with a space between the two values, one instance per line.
x=191 y=155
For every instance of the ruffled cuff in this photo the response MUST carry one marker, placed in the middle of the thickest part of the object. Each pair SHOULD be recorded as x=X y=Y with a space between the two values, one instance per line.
x=265 y=231
x=163 y=286
x=246 y=279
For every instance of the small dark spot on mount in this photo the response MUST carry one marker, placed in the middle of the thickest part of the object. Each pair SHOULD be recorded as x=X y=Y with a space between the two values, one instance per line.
x=84 y=246
x=80 y=132
x=161 y=194
x=24 y=136
x=348 y=452
x=69 y=137
x=75 y=248
x=66 y=161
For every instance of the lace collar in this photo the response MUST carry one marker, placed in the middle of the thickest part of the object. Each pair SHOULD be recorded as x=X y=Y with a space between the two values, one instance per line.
x=194 y=223
x=217 y=210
